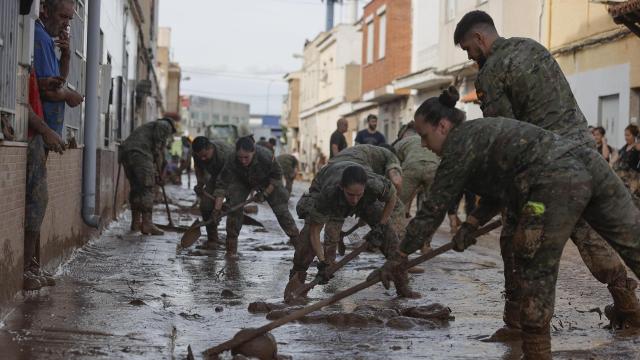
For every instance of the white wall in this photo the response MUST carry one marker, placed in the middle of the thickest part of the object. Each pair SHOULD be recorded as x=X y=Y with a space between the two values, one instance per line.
x=588 y=86
x=426 y=34
x=112 y=24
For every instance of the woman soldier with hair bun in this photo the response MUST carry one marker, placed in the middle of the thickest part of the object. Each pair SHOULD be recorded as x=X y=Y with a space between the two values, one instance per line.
x=546 y=181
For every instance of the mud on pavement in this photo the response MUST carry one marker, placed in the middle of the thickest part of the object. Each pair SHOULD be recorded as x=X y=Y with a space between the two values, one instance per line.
x=124 y=296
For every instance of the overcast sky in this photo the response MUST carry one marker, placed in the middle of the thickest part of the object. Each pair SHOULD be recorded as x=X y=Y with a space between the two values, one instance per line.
x=240 y=49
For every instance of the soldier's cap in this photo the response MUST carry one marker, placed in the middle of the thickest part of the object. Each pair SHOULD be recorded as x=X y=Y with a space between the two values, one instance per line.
x=171 y=122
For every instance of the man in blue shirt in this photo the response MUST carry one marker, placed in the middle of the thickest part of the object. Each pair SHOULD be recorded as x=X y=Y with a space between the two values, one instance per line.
x=370 y=135
x=54 y=22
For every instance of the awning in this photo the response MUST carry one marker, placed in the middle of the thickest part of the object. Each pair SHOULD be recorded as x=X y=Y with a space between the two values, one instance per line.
x=628 y=14
x=470 y=97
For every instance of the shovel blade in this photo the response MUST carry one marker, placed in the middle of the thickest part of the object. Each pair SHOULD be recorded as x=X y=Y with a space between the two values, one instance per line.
x=190 y=236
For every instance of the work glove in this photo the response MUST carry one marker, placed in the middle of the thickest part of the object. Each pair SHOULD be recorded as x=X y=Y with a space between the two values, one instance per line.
x=260 y=197
x=392 y=269
x=322 y=274
x=199 y=189
x=159 y=180
x=375 y=237
x=464 y=237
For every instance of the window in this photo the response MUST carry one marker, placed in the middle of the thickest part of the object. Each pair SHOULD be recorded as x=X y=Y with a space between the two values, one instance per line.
x=370 y=42
x=450 y=10
x=382 y=35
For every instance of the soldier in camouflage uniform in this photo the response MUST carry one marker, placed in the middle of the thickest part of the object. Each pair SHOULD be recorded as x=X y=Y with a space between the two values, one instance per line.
x=547 y=182
x=382 y=162
x=520 y=79
x=252 y=167
x=141 y=155
x=342 y=189
x=419 y=165
x=209 y=157
x=289 y=165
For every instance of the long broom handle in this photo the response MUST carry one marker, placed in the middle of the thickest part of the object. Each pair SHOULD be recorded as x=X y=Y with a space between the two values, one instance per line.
x=236 y=341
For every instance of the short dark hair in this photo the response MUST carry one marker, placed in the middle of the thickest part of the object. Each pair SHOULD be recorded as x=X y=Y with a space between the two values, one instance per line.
x=633 y=129
x=200 y=143
x=273 y=141
x=53 y=5
x=246 y=143
x=469 y=21
x=435 y=108
x=371 y=117
x=601 y=130
x=353 y=174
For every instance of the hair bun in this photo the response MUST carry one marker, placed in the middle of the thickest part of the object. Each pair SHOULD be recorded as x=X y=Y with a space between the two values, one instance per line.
x=449 y=97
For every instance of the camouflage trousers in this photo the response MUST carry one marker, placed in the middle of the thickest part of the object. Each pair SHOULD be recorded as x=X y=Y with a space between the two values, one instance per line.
x=416 y=177
x=304 y=253
x=278 y=200
x=579 y=184
x=141 y=172
x=37 y=196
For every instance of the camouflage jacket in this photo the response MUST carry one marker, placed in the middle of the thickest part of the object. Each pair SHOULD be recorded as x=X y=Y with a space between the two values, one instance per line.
x=208 y=172
x=288 y=163
x=411 y=152
x=496 y=158
x=377 y=158
x=521 y=80
x=262 y=171
x=325 y=199
x=149 y=139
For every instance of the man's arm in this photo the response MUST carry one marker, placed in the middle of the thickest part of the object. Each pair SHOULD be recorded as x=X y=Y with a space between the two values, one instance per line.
x=65 y=53
x=335 y=150
x=51 y=139
x=71 y=97
x=314 y=235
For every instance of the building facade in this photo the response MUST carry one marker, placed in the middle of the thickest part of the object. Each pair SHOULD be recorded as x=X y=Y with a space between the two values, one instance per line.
x=126 y=95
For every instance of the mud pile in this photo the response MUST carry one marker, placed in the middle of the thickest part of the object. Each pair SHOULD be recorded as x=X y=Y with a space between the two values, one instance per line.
x=430 y=316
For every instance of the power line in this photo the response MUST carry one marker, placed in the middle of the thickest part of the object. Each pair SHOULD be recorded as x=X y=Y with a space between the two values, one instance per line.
x=233 y=75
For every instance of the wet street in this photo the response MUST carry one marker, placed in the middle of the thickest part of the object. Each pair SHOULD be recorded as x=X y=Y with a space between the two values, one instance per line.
x=126 y=296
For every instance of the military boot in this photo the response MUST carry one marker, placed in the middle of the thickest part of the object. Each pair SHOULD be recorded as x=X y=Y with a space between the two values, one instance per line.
x=212 y=238
x=148 y=228
x=511 y=330
x=296 y=281
x=330 y=251
x=232 y=247
x=624 y=313
x=401 y=282
x=536 y=346
x=31 y=282
x=136 y=220
x=45 y=277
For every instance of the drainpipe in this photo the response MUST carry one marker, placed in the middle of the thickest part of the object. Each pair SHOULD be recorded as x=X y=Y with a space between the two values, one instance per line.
x=91 y=117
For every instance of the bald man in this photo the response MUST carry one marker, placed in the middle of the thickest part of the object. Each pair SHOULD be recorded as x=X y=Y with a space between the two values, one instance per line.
x=338 y=141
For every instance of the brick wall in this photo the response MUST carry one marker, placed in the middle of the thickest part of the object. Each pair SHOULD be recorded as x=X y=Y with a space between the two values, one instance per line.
x=397 y=59
x=63 y=229
x=107 y=167
x=13 y=164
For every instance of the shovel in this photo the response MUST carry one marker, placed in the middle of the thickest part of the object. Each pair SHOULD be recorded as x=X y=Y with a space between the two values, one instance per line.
x=193 y=233
x=249 y=334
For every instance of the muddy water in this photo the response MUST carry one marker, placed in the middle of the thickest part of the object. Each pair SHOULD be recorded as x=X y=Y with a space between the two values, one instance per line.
x=130 y=297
